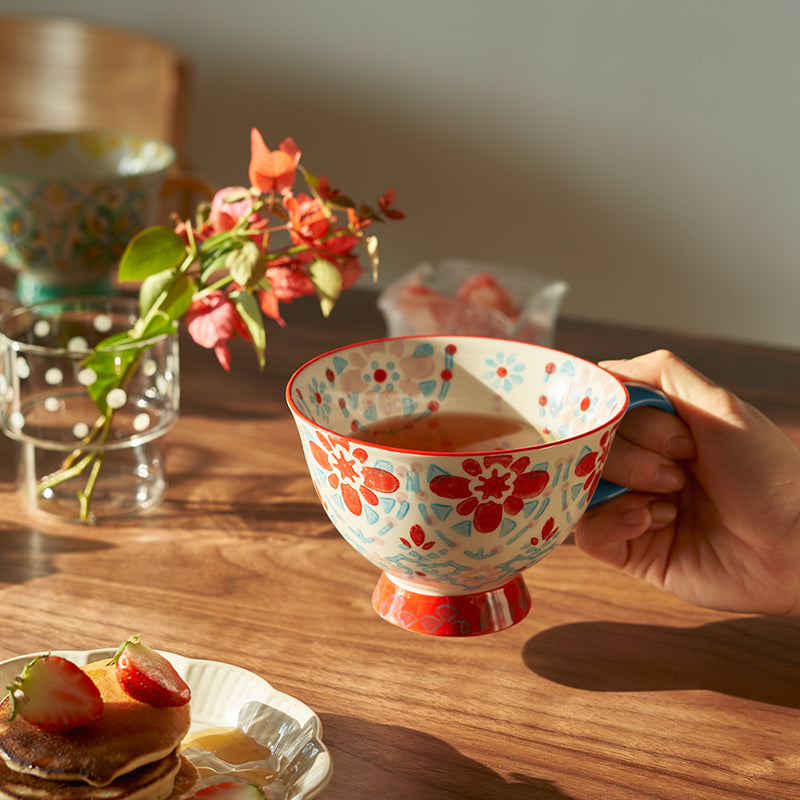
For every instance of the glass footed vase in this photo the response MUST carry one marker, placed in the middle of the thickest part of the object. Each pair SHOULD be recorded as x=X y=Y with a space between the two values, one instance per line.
x=76 y=462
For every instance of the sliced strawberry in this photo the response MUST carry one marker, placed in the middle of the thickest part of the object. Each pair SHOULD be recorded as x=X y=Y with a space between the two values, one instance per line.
x=55 y=694
x=229 y=790
x=147 y=676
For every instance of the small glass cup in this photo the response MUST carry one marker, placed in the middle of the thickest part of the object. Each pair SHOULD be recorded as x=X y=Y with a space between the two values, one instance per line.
x=433 y=299
x=77 y=461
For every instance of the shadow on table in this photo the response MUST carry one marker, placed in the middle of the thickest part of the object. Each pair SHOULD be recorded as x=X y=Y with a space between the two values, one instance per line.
x=261 y=503
x=754 y=658
x=26 y=554
x=259 y=500
x=396 y=763
x=254 y=516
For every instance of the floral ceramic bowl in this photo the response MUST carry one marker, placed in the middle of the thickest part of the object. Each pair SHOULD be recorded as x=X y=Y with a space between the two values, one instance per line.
x=69 y=204
x=454 y=463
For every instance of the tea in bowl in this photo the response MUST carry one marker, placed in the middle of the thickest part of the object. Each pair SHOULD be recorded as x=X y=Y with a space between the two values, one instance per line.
x=455 y=463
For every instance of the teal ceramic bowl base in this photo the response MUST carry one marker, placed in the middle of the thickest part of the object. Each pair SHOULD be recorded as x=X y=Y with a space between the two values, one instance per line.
x=30 y=289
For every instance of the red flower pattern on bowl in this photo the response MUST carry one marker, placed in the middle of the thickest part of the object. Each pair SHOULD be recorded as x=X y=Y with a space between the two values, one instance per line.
x=348 y=474
x=497 y=485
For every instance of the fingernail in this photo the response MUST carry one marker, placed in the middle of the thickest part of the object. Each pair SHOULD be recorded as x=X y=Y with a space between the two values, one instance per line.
x=668 y=478
x=662 y=513
x=635 y=517
x=680 y=448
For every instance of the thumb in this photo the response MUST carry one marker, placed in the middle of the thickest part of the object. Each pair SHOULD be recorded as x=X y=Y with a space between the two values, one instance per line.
x=684 y=385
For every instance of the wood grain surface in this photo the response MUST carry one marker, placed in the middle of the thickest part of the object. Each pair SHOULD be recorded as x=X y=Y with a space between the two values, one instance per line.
x=608 y=689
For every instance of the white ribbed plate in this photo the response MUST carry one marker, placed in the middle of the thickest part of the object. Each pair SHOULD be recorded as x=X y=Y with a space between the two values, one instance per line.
x=225 y=696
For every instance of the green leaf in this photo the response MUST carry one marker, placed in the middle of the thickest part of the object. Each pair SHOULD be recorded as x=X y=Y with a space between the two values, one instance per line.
x=110 y=366
x=153 y=250
x=170 y=291
x=247 y=306
x=211 y=265
x=245 y=265
x=217 y=242
x=156 y=324
x=311 y=179
x=116 y=356
x=327 y=281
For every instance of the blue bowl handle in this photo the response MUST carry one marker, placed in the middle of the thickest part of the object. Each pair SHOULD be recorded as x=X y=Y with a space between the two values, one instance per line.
x=640 y=394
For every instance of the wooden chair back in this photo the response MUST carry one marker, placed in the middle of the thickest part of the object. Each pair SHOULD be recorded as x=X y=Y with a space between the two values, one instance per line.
x=65 y=74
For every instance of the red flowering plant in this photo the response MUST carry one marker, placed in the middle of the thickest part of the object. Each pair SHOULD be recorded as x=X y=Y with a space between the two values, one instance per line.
x=253 y=248
x=250 y=249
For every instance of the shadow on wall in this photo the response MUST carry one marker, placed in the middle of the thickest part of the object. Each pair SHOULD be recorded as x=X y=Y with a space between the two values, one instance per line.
x=465 y=196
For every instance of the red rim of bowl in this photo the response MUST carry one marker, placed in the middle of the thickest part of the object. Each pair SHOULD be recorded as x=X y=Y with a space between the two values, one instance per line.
x=461 y=454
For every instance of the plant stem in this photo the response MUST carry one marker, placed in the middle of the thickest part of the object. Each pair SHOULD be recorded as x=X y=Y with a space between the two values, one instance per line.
x=76 y=462
x=85 y=497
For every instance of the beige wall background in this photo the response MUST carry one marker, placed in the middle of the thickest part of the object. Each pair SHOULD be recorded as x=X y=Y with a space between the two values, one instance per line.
x=644 y=150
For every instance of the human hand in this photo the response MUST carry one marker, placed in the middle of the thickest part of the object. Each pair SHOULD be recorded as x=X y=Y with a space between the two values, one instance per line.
x=714 y=515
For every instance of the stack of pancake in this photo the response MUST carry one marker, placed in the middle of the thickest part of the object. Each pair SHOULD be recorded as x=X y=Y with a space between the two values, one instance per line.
x=129 y=753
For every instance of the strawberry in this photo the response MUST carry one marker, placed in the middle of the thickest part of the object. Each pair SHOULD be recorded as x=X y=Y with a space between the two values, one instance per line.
x=55 y=694
x=147 y=676
x=483 y=289
x=229 y=790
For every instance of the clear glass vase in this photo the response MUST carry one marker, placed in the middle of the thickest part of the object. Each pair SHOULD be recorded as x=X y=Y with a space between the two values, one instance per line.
x=75 y=461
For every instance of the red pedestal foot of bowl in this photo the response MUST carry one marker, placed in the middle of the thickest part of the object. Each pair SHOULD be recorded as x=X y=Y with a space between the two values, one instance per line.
x=452 y=615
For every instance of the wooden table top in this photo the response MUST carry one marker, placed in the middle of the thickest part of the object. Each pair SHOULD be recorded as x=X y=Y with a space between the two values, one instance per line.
x=608 y=689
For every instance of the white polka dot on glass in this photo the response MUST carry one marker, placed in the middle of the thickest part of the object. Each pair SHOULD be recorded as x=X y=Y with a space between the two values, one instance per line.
x=53 y=376
x=41 y=328
x=141 y=422
x=87 y=376
x=102 y=323
x=116 y=398
x=80 y=429
x=23 y=369
x=77 y=344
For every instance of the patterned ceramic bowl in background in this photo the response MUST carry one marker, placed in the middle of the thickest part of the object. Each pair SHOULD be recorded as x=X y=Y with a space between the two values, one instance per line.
x=69 y=204
x=452 y=530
